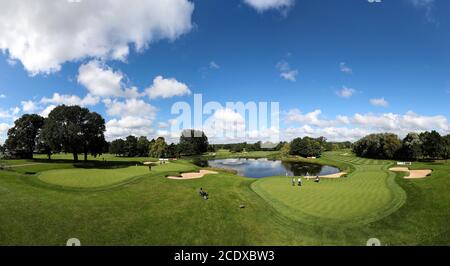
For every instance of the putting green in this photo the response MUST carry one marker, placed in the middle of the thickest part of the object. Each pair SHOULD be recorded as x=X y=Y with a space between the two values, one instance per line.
x=367 y=194
x=95 y=178
x=90 y=178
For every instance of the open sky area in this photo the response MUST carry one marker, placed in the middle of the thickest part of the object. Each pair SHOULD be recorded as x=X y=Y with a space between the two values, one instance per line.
x=339 y=69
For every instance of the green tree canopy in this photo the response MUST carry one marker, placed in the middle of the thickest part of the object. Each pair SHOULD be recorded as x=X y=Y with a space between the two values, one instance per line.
x=131 y=143
x=306 y=147
x=143 y=146
x=23 y=137
x=197 y=139
x=432 y=144
x=117 y=147
x=411 y=147
x=74 y=129
x=159 y=148
x=382 y=146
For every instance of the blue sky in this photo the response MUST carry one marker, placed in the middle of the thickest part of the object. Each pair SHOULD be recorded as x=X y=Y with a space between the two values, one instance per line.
x=341 y=68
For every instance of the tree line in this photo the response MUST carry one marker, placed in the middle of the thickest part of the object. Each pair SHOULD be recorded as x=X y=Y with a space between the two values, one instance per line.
x=415 y=146
x=70 y=129
x=76 y=130
x=192 y=142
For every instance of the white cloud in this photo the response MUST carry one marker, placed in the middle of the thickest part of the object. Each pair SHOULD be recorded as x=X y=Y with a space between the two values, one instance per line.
x=352 y=128
x=346 y=92
x=402 y=123
x=286 y=72
x=167 y=88
x=100 y=80
x=47 y=110
x=71 y=100
x=163 y=125
x=2 y=96
x=379 y=102
x=29 y=106
x=130 y=107
x=132 y=92
x=135 y=117
x=313 y=118
x=213 y=65
x=3 y=132
x=225 y=123
x=331 y=133
x=344 y=68
x=130 y=125
x=421 y=3
x=264 y=5
x=45 y=34
x=428 y=6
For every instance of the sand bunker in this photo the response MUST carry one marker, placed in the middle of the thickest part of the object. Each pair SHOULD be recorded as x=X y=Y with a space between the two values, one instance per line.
x=413 y=174
x=195 y=175
x=337 y=175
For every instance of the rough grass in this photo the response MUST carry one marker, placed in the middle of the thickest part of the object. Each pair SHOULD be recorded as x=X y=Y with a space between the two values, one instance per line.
x=154 y=210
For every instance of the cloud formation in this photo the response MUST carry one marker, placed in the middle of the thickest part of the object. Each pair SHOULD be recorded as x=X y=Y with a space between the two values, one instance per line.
x=354 y=127
x=379 y=102
x=346 y=92
x=59 y=99
x=345 y=69
x=100 y=80
x=167 y=88
x=46 y=34
x=286 y=72
x=264 y=5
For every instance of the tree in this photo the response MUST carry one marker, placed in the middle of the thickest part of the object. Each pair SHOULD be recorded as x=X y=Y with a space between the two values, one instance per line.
x=285 y=149
x=172 y=151
x=93 y=134
x=74 y=129
x=22 y=138
x=390 y=145
x=159 y=148
x=130 y=147
x=117 y=147
x=185 y=148
x=306 y=147
x=380 y=146
x=446 y=152
x=411 y=147
x=44 y=147
x=197 y=139
x=432 y=144
x=143 y=146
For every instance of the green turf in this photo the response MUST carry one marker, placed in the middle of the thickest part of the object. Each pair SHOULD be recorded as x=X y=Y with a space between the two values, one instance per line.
x=154 y=210
x=85 y=178
x=367 y=194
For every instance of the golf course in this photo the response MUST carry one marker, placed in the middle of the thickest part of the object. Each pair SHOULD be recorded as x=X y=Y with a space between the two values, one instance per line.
x=112 y=200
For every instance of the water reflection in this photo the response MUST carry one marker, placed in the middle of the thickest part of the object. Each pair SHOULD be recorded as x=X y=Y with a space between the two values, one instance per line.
x=258 y=168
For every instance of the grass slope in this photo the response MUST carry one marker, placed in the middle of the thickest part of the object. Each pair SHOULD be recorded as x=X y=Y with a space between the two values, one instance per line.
x=153 y=210
x=367 y=194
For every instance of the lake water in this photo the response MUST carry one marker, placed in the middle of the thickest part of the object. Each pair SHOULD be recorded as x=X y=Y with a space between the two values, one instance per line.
x=257 y=168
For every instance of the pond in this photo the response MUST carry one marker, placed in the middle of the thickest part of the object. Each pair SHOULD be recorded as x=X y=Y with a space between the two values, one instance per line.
x=258 y=168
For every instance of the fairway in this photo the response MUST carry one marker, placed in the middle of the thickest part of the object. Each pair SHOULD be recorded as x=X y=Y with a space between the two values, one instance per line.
x=368 y=193
x=88 y=178
x=130 y=205
x=94 y=178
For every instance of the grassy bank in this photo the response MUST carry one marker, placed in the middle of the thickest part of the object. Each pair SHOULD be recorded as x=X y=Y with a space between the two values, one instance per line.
x=146 y=208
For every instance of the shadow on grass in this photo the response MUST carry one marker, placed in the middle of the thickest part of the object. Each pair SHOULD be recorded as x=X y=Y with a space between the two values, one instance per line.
x=91 y=164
